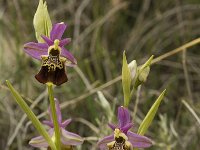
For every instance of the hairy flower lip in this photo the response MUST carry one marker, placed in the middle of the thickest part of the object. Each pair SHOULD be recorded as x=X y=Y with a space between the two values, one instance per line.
x=122 y=130
x=56 y=77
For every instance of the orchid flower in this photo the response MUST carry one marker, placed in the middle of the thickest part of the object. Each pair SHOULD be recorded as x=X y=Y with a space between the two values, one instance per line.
x=122 y=138
x=53 y=55
x=68 y=139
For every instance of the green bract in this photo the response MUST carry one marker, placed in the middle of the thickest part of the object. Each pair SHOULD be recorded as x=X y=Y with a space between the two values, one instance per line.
x=41 y=21
x=126 y=81
x=143 y=72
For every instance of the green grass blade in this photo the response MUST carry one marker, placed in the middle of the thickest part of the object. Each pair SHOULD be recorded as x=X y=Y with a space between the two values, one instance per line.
x=150 y=115
x=31 y=115
x=191 y=111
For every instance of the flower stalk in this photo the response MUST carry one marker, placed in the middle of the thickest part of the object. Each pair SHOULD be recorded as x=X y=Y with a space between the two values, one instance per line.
x=54 y=116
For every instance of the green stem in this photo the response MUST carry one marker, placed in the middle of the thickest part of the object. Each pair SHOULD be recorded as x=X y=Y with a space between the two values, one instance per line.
x=54 y=116
x=136 y=101
x=132 y=91
x=126 y=103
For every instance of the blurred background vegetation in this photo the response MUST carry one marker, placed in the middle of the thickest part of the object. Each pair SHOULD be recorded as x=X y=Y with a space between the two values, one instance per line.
x=100 y=31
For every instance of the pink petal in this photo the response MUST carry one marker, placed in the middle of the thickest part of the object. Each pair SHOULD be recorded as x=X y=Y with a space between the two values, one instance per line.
x=65 y=42
x=47 y=40
x=57 y=31
x=40 y=141
x=102 y=144
x=138 y=141
x=71 y=61
x=48 y=123
x=112 y=126
x=127 y=127
x=36 y=50
x=66 y=122
x=69 y=138
x=123 y=116
x=58 y=111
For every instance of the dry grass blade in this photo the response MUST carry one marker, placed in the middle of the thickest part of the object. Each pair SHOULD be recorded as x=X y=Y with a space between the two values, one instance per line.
x=191 y=111
x=177 y=50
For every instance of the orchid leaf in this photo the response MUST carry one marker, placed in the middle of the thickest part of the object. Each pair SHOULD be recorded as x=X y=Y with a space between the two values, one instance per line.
x=150 y=115
x=41 y=21
x=126 y=81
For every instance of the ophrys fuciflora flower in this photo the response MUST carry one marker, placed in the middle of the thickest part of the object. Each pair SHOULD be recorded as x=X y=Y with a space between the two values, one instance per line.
x=53 y=55
x=122 y=138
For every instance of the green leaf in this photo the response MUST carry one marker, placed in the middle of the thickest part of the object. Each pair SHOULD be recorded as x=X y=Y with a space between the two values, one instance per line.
x=150 y=115
x=126 y=81
x=31 y=115
x=147 y=63
x=41 y=21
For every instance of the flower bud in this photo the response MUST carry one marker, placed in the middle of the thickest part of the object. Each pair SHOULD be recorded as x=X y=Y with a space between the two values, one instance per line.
x=133 y=69
x=142 y=73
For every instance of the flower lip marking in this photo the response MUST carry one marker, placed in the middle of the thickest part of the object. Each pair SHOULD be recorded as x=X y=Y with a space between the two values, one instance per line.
x=53 y=59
